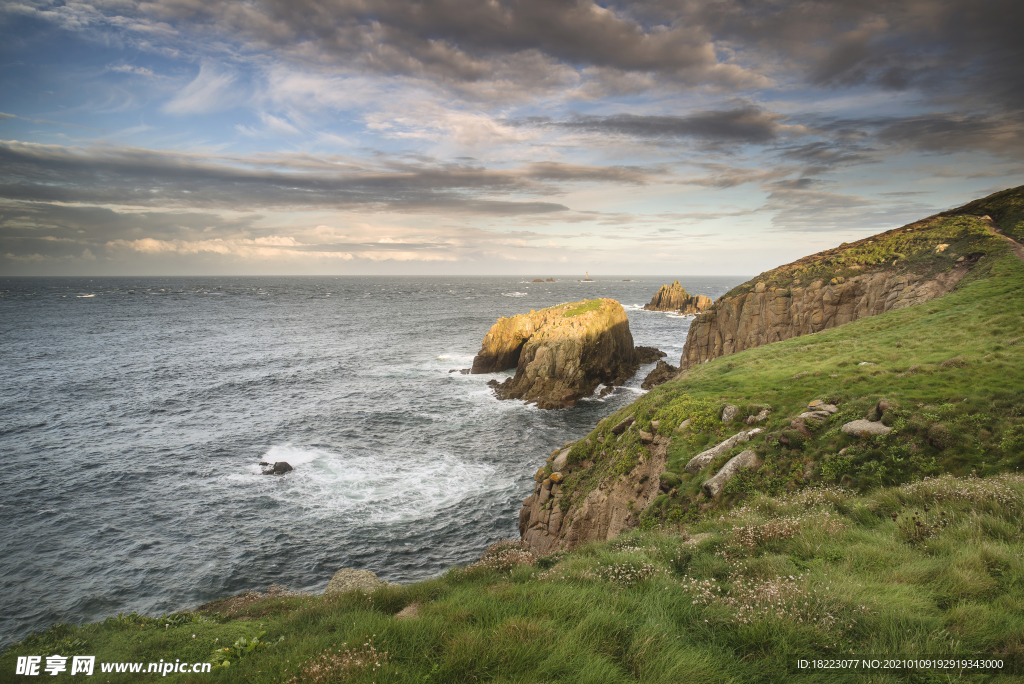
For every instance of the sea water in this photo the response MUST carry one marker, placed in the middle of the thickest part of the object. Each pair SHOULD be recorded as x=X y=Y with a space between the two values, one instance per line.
x=134 y=413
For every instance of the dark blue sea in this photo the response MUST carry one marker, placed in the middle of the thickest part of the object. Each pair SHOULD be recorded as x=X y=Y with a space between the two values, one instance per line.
x=134 y=413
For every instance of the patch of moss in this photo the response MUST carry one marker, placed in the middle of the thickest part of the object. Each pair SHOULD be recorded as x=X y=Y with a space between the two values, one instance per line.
x=582 y=307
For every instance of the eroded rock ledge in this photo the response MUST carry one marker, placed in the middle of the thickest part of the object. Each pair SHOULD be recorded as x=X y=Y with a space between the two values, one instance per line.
x=561 y=353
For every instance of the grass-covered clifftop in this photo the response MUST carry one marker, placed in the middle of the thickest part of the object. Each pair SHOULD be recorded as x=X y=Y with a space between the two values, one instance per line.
x=910 y=249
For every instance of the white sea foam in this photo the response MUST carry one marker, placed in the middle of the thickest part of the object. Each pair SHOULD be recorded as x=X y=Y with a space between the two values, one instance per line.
x=85 y=296
x=515 y=294
x=376 y=487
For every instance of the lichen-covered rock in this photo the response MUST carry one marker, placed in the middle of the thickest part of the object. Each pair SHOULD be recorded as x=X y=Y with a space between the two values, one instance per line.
x=348 y=579
x=729 y=413
x=674 y=297
x=818 y=405
x=704 y=458
x=561 y=353
x=745 y=459
x=865 y=428
x=623 y=424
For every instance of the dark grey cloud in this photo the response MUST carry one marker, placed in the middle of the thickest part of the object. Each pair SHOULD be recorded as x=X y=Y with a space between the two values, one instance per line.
x=811 y=205
x=996 y=133
x=456 y=40
x=824 y=155
x=942 y=132
x=56 y=231
x=737 y=125
x=940 y=46
x=141 y=177
x=944 y=47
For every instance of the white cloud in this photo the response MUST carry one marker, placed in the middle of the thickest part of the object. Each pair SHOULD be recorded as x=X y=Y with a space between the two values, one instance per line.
x=213 y=89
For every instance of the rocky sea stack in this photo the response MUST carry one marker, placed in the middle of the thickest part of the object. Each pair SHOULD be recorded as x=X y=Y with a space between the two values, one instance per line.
x=674 y=297
x=561 y=353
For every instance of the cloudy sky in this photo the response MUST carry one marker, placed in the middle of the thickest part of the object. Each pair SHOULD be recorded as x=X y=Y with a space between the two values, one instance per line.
x=531 y=137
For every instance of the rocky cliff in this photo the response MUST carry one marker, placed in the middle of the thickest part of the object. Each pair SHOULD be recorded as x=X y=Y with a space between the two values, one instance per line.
x=674 y=297
x=892 y=270
x=561 y=353
x=548 y=523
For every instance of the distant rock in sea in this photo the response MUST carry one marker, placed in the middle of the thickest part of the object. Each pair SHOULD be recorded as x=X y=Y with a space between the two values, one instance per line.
x=674 y=297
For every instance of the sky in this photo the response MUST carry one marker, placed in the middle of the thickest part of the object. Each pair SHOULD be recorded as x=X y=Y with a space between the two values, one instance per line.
x=492 y=137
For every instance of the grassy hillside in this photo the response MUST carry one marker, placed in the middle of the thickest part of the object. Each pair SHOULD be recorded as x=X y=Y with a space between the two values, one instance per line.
x=821 y=573
x=1005 y=207
x=951 y=370
x=903 y=546
x=910 y=249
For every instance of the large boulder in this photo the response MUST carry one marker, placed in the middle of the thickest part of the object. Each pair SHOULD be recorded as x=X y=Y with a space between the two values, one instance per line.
x=348 y=579
x=674 y=297
x=865 y=428
x=745 y=459
x=704 y=458
x=561 y=353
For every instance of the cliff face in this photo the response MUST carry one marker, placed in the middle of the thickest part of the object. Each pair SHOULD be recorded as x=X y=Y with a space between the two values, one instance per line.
x=561 y=353
x=674 y=297
x=891 y=270
x=613 y=506
x=767 y=315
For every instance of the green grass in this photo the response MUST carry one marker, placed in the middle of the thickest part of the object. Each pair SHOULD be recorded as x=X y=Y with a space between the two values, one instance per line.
x=821 y=573
x=582 y=307
x=1005 y=207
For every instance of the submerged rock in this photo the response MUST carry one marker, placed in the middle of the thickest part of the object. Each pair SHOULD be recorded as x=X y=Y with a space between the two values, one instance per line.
x=279 y=468
x=561 y=353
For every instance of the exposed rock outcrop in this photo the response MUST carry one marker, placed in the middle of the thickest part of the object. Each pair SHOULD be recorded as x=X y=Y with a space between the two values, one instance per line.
x=745 y=459
x=674 y=297
x=663 y=372
x=561 y=353
x=705 y=458
x=865 y=428
x=612 y=507
x=649 y=354
x=764 y=315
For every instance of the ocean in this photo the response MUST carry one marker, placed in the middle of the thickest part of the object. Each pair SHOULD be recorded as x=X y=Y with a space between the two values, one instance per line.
x=134 y=413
